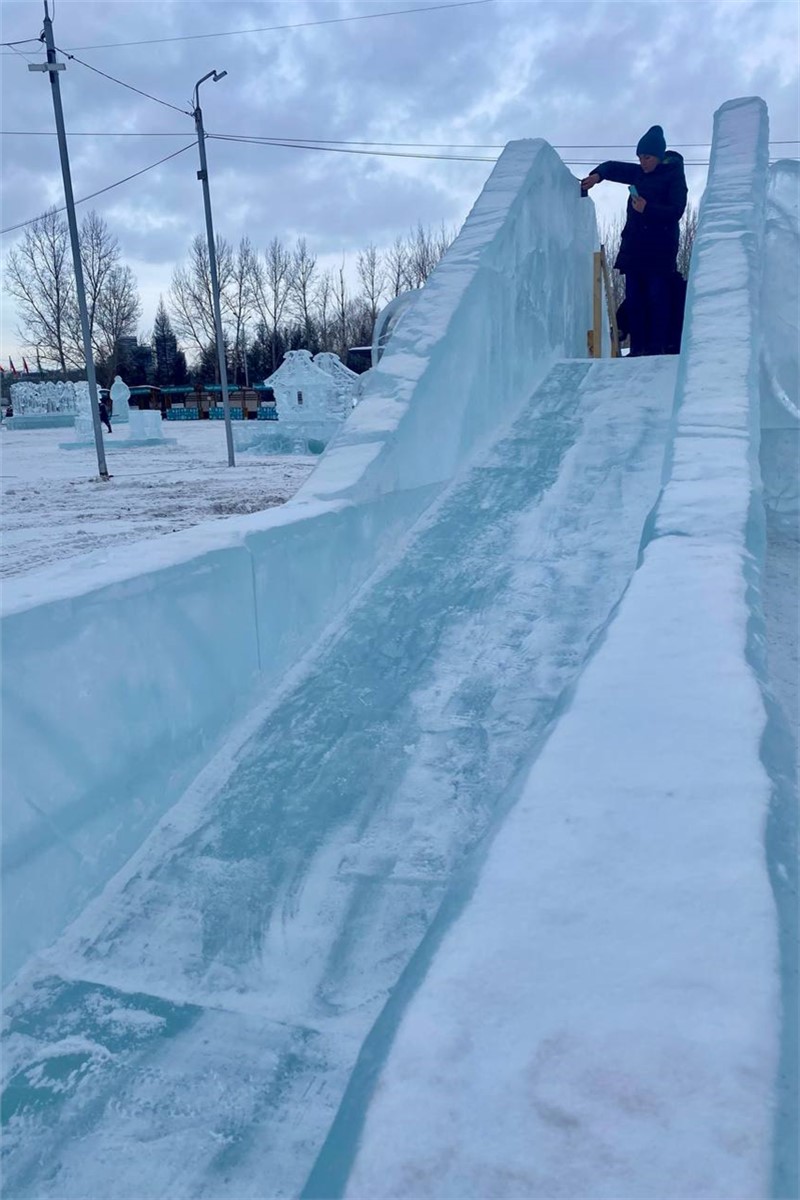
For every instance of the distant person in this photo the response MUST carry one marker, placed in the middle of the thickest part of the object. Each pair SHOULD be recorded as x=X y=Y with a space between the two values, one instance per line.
x=104 y=417
x=649 y=248
x=9 y=411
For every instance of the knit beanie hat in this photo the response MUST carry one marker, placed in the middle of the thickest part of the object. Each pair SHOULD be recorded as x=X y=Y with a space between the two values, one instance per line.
x=653 y=142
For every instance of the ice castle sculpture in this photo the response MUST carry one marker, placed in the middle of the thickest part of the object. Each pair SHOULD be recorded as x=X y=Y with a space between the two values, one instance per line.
x=312 y=403
x=304 y=391
x=346 y=381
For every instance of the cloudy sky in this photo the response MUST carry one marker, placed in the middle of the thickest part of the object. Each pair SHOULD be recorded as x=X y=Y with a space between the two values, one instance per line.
x=463 y=80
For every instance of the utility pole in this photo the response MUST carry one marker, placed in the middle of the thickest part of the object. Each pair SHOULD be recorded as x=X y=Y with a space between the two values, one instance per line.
x=52 y=67
x=202 y=175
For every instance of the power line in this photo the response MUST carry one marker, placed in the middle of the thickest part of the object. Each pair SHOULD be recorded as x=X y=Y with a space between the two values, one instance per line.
x=108 y=188
x=346 y=142
x=193 y=37
x=122 y=83
x=24 y=54
x=242 y=140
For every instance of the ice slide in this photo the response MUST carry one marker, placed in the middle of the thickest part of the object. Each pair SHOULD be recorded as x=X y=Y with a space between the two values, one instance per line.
x=211 y=1023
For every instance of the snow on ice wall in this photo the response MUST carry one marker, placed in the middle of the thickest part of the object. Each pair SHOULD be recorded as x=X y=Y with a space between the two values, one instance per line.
x=608 y=1001
x=120 y=675
x=780 y=364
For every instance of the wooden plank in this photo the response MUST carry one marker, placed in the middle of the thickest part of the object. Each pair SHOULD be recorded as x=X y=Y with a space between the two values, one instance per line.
x=597 y=307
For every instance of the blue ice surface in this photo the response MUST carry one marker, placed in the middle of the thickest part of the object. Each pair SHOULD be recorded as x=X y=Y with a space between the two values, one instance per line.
x=215 y=1007
x=143 y=643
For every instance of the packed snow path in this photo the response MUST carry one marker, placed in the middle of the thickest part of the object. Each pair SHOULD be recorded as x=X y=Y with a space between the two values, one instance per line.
x=193 y=1033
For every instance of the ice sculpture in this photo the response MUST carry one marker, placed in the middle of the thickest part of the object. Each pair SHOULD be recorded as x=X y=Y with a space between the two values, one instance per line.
x=303 y=391
x=84 y=424
x=145 y=426
x=345 y=380
x=46 y=405
x=312 y=403
x=388 y=320
x=43 y=399
x=120 y=395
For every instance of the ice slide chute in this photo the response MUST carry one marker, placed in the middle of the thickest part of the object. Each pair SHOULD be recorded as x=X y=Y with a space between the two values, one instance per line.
x=203 y=1028
x=216 y=999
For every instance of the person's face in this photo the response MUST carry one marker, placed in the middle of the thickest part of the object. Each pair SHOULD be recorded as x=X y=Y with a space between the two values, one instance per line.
x=648 y=162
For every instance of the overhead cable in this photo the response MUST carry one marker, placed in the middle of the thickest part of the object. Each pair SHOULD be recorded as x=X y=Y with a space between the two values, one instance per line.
x=122 y=83
x=250 y=141
x=193 y=37
x=363 y=142
x=100 y=191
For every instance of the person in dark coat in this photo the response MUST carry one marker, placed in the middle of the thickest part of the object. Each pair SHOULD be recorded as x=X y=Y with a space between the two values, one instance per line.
x=104 y=417
x=649 y=248
x=675 y=327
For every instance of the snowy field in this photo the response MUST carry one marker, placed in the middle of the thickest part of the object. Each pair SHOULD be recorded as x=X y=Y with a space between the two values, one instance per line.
x=54 y=506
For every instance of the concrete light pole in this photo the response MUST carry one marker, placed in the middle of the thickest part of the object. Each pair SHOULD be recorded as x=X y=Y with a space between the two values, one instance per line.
x=202 y=175
x=53 y=67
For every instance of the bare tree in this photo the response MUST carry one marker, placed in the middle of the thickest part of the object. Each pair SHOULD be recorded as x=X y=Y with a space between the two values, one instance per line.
x=323 y=300
x=340 y=306
x=688 y=232
x=372 y=276
x=116 y=315
x=191 y=295
x=304 y=266
x=40 y=278
x=272 y=286
x=360 y=322
x=100 y=254
x=610 y=238
x=443 y=240
x=421 y=255
x=397 y=267
x=240 y=304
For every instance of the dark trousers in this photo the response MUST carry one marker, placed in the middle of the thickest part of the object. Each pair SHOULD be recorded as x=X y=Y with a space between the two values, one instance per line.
x=649 y=309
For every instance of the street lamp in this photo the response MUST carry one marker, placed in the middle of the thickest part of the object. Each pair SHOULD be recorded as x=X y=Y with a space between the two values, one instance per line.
x=202 y=175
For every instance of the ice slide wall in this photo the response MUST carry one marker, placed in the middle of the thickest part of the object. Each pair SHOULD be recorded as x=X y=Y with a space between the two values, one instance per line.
x=780 y=362
x=120 y=679
x=640 y=901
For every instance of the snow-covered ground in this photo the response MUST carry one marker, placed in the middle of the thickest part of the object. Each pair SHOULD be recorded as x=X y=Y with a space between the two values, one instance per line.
x=55 y=507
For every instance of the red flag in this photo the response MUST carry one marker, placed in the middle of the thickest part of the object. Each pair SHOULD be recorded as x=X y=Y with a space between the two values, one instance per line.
x=13 y=368
x=25 y=365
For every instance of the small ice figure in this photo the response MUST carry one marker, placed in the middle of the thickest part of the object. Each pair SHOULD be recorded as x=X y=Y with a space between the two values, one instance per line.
x=120 y=395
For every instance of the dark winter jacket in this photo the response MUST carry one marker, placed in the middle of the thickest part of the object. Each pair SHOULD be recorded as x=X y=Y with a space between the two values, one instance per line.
x=677 y=306
x=650 y=239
